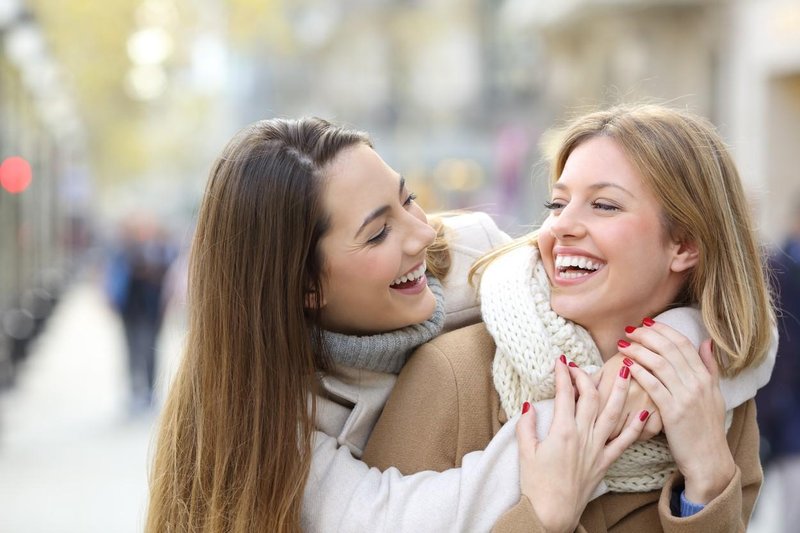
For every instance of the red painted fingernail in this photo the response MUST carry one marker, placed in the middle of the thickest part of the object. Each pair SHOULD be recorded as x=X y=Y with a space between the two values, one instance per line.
x=623 y=344
x=526 y=407
x=563 y=358
x=627 y=361
x=572 y=364
x=629 y=329
x=624 y=372
x=647 y=321
x=643 y=415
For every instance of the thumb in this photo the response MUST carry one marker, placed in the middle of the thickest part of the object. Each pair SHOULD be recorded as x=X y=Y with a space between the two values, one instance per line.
x=526 y=428
x=707 y=356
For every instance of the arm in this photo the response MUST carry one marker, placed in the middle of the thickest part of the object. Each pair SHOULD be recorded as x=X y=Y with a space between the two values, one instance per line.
x=719 y=471
x=731 y=510
x=735 y=390
x=344 y=494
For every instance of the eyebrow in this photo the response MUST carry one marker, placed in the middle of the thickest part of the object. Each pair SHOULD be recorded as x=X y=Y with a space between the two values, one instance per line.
x=381 y=210
x=596 y=186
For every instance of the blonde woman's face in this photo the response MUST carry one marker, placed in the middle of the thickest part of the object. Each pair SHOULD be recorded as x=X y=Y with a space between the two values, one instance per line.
x=603 y=245
x=374 y=251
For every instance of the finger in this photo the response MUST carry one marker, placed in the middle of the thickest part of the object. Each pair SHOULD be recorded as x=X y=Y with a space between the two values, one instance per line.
x=659 y=363
x=709 y=360
x=652 y=427
x=564 y=407
x=686 y=349
x=658 y=392
x=613 y=410
x=526 y=428
x=588 y=403
x=614 y=448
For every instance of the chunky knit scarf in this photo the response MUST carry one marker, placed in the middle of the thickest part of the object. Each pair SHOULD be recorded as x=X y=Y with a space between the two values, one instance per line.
x=515 y=303
x=386 y=352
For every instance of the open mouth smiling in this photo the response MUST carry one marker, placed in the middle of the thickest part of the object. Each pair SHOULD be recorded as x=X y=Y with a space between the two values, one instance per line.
x=576 y=266
x=410 y=279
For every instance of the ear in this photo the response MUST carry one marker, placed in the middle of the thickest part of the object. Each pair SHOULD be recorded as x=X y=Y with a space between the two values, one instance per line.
x=686 y=256
x=314 y=300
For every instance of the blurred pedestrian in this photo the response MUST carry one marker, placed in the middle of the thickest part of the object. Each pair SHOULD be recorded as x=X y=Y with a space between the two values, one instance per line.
x=779 y=401
x=134 y=284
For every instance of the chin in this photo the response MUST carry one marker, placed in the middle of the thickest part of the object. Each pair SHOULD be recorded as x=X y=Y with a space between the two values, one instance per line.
x=567 y=309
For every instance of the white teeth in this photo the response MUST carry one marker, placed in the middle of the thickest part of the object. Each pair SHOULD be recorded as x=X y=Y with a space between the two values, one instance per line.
x=565 y=261
x=413 y=275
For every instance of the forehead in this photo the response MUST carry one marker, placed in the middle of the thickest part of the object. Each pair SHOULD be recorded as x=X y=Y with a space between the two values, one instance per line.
x=357 y=182
x=599 y=160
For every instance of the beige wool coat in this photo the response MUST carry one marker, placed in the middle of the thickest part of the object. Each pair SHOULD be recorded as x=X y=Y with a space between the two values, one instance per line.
x=444 y=405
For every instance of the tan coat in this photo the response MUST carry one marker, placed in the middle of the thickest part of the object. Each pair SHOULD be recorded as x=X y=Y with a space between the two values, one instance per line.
x=444 y=405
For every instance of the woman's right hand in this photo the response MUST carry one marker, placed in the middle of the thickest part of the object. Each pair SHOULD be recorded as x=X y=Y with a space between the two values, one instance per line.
x=559 y=473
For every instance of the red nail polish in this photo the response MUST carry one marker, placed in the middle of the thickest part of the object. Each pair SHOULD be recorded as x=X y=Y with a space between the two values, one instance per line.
x=647 y=321
x=623 y=344
x=627 y=361
x=629 y=329
x=563 y=358
x=624 y=372
x=643 y=415
x=526 y=407
x=572 y=364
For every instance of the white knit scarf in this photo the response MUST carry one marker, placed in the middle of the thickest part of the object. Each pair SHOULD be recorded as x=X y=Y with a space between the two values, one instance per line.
x=530 y=336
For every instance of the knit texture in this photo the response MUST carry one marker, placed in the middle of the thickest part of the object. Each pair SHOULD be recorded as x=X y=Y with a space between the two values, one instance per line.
x=386 y=352
x=530 y=336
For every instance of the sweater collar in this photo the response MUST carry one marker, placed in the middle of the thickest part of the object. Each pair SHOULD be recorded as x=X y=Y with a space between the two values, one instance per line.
x=386 y=352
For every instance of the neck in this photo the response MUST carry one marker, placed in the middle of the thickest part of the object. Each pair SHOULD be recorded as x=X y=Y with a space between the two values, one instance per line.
x=606 y=338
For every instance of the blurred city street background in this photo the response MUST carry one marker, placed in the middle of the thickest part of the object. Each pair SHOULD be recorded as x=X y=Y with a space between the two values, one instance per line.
x=112 y=112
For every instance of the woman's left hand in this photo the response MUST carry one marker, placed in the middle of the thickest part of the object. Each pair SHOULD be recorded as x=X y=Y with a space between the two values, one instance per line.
x=684 y=384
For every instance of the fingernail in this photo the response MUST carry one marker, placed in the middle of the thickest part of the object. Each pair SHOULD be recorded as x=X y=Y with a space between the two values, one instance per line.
x=627 y=361
x=623 y=344
x=647 y=321
x=624 y=372
x=572 y=364
x=563 y=358
x=629 y=329
x=643 y=415
x=526 y=407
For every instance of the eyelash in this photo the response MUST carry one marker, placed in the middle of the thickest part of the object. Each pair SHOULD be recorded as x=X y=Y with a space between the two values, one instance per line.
x=552 y=206
x=380 y=237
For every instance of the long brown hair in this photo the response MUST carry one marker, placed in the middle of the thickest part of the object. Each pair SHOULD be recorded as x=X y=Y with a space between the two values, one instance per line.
x=684 y=161
x=234 y=444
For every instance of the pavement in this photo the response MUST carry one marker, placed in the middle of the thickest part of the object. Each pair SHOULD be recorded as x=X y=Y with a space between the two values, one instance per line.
x=72 y=456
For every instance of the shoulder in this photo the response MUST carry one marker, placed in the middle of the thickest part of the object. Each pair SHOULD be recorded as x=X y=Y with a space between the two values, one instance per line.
x=460 y=357
x=474 y=231
x=469 y=236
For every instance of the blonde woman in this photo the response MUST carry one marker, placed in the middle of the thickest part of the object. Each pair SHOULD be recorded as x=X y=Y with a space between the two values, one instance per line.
x=647 y=214
x=308 y=289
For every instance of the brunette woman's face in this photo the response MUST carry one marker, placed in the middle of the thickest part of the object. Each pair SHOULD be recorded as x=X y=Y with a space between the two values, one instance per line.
x=604 y=246
x=374 y=251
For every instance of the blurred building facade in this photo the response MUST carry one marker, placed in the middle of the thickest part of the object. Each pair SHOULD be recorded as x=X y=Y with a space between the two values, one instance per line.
x=41 y=225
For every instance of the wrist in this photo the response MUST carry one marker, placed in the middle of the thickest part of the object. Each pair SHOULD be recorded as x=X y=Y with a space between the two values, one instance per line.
x=704 y=487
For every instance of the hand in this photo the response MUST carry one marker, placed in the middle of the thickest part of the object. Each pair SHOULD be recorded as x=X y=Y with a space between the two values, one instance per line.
x=637 y=401
x=684 y=384
x=560 y=473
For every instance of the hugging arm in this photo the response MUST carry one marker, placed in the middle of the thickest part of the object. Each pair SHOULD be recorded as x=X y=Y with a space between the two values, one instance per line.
x=344 y=494
x=716 y=470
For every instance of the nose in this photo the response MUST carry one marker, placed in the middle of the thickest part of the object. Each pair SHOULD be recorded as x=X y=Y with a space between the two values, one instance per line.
x=567 y=223
x=419 y=235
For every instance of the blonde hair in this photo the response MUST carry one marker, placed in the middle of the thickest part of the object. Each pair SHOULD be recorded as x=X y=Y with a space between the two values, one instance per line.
x=684 y=161
x=234 y=443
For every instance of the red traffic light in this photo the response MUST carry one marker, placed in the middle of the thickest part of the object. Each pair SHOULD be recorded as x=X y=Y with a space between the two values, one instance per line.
x=15 y=174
